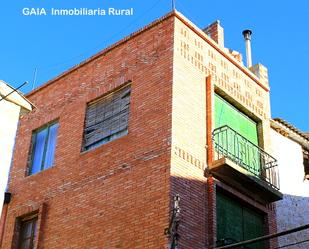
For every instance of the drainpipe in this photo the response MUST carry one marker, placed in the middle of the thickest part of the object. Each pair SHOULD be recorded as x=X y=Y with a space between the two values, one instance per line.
x=7 y=200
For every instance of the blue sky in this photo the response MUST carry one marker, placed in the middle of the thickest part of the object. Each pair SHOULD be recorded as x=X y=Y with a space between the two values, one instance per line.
x=53 y=44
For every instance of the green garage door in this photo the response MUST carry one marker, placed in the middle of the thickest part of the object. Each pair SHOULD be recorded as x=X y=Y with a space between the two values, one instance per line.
x=236 y=222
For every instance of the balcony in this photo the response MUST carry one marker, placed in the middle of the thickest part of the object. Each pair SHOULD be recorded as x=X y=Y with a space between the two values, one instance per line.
x=245 y=166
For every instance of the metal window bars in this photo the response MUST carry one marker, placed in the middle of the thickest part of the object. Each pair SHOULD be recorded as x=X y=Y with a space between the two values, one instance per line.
x=230 y=144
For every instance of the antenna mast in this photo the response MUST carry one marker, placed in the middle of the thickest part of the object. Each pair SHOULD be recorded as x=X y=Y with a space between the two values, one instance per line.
x=34 y=77
x=173 y=4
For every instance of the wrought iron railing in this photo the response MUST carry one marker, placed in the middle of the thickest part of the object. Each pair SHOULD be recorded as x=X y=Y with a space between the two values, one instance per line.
x=230 y=144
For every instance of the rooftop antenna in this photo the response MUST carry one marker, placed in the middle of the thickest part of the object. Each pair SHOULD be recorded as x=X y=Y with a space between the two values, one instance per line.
x=173 y=4
x=34 y=77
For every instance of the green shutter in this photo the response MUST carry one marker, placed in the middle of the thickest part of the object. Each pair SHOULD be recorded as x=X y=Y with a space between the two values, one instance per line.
x=229 y=216
x=236 y=222
x=226 y=114
x=253 y=227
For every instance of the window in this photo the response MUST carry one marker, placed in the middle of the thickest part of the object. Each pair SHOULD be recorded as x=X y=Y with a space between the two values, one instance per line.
x=43 y=148
x=27 y=233
x=107 y=118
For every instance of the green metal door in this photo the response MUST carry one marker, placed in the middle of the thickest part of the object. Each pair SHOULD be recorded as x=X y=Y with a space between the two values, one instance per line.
x=243 y=147
x=253 y=227
x=229 y=219
x=226 y=114
x=236 y=222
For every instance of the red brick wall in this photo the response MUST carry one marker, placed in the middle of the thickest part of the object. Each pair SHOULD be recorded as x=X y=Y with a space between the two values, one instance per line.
x=193 y=217
x=117 y=195
x=271 y=224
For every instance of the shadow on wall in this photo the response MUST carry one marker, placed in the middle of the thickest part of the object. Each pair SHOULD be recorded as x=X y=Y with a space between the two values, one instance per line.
x=293 y=211
x=198 y=220
x=193 y=211
x=198 y=212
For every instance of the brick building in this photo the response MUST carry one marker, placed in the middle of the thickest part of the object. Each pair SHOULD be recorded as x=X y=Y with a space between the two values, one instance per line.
x=168 y=110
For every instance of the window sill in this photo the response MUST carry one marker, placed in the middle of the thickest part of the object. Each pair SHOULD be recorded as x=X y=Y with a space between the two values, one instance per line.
x=95 y=148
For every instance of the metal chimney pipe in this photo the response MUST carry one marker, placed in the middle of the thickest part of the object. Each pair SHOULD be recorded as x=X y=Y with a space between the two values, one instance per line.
x=247 y=36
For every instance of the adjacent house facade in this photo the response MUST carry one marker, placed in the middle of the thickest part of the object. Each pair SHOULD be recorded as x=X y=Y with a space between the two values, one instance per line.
x=166 y=111
x=291 y=148
x=12 y=106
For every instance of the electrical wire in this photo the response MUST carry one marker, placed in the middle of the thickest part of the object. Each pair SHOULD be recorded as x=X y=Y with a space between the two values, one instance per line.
x=293 y=244
x=53 y=66
x=13 y=91
x=106 y=40
x=187 y=12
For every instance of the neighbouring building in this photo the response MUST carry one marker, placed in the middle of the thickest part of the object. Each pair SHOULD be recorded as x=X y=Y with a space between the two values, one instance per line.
x=167 y=110
x=12 y=106
x=291 y=148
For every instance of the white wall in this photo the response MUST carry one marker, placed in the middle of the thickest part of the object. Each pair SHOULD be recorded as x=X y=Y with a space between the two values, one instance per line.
x=293 y=210
x=9 y=114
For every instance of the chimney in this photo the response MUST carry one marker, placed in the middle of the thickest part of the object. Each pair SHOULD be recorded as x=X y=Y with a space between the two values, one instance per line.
x=247 y=36
x=216 y=32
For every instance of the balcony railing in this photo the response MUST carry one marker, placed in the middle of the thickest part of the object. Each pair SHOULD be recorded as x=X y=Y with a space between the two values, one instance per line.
x=230 y=144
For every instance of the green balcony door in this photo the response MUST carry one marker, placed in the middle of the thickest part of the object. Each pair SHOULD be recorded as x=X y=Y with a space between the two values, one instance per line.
x=227 y=114
x=236 y=222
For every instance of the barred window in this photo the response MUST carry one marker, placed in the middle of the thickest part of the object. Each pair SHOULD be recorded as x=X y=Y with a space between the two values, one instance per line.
x=107 y=118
